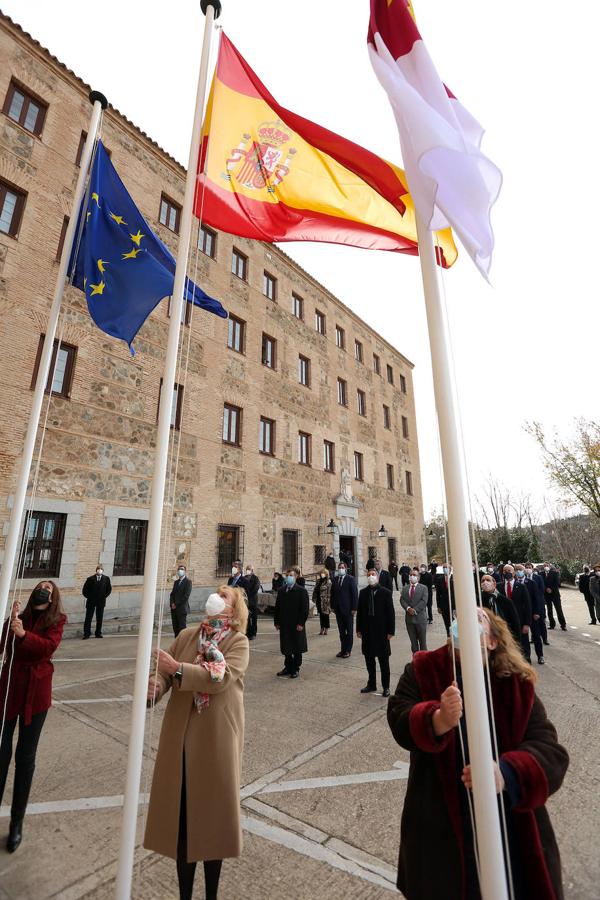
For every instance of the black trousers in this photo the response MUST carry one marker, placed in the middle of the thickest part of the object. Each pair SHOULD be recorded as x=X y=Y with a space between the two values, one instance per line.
x=292 y=662
x=590 y=605
x=550 y=600
x=395 y=577
x=27 y=742
x=384 y=668
x=430 y=607
x=445 y=611
x=91 y=607
x=179 y=619
x=187 y=870
x=536 y=637
x=345 y=623
x=252 y=627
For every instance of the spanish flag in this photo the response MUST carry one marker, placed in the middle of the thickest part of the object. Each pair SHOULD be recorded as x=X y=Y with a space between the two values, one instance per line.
x=272 y=175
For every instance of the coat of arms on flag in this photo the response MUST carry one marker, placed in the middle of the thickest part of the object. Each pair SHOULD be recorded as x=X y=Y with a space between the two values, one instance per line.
x=258 y=164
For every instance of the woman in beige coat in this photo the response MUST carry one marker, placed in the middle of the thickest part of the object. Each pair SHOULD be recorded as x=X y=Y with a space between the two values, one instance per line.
x=194 y=811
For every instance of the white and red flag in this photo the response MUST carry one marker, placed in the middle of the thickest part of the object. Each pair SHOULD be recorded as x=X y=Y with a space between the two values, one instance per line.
x=451 y=182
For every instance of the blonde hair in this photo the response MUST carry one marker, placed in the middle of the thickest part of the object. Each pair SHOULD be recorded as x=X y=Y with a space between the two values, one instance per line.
x=507 y=659
x=239 y=603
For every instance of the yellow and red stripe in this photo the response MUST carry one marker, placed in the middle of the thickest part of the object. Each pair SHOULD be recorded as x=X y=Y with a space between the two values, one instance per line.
x=273 y=175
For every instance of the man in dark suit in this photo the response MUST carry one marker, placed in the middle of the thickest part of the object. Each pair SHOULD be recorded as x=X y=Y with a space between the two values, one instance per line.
x=413 y=599
x=385 y=579
x=404 y=573
x=344 y=602
x=516 y=590
x=500 y=605
x=552 y=596
x=330 y=564
x=491 y=570
x=426 y=578
x=236 y=573
x=180 y=600
x=538 y=611
x=584 y=588
x=95 y=590
x=444 y=595
x=375 y=625
x=291 y=613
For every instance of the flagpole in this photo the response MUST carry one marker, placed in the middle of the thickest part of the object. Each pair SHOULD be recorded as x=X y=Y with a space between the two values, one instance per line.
x=211 y=10
x=487 y=820
x=99 y=103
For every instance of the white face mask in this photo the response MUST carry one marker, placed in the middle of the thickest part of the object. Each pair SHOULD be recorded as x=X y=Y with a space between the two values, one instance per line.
x=99 y=572
x=181 y=572
x=342 y=571
x=372 y=579
x=248 y=571
x=490 y=570
x=413 y=579
x=214 y=605
x=546 y=569
x=234 y=570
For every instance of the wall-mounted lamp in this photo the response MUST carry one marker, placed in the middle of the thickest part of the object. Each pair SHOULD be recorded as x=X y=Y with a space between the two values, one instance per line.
x=380 y=534
x=330 y=528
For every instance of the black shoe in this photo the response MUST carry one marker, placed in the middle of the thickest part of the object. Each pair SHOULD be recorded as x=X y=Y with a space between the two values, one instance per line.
x=86 y=637
x=250 y=637
x=430 y=621
x=563 y=627
x=541 y=660
x=339 y=655
x=552 y=625
x=345 y=656
x=283 y=673
x=99 y=635
x=385 y=693
x=546 y=643
x=294 y=674
x=368 y=689
x=592 y=623
x=15 y=836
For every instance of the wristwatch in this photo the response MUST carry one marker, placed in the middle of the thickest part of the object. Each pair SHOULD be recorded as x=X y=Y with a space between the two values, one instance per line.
x=179 y=673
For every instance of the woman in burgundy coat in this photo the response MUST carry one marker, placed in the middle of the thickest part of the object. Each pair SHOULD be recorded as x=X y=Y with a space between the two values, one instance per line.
x=424 y=715
x=27 y=645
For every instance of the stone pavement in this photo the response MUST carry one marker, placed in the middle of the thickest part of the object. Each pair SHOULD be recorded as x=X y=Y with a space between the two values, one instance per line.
x=323 y=779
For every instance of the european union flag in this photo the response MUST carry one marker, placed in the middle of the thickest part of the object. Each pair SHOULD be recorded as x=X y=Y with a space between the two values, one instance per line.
x=122 y=266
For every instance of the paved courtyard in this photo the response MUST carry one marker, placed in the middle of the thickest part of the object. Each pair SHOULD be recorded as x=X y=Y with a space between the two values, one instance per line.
x=323 y=779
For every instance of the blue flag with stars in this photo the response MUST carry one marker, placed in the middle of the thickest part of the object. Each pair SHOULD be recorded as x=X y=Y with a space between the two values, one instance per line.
x=122 y=266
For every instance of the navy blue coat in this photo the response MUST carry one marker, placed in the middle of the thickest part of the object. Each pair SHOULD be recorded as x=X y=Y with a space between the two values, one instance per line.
x=344 y=595
x=536 y=595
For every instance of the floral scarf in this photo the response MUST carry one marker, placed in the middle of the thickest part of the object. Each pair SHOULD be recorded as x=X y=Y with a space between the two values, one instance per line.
x=210 y=657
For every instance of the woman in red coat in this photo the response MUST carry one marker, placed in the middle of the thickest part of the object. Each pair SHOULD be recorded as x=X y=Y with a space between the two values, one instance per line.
x=28 y=643
x=424 y=715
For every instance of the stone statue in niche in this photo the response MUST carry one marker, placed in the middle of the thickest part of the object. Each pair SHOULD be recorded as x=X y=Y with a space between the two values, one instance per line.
x=346 y=491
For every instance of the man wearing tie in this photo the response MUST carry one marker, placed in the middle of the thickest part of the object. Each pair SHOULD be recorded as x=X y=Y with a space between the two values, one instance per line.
x=180 y=600
x=413 y=599
x=95 y=590
x=236 y=573
x=344 y=602
x=518 y=593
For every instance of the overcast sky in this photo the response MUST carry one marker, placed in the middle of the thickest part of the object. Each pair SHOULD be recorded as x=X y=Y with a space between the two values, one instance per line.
x=526 y=348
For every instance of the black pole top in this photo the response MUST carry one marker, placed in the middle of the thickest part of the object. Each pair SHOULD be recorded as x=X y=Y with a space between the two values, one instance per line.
x=96 y=96
x=216 y=5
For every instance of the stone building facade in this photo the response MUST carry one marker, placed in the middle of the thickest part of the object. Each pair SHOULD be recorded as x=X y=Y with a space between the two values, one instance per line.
x=262 y=492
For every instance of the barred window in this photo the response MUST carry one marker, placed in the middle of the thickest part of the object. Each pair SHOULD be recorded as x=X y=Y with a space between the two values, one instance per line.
x=320 y=554
x=43 y=544
x=230 y=547
x=130 y=551
x=291 y=554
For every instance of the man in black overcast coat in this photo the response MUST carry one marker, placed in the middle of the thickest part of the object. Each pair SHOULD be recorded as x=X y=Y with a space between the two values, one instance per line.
x=95 y=590
x=375 y=625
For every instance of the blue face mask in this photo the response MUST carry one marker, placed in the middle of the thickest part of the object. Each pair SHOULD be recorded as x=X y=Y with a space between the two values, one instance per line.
x=290 y=580
x=520 y=573
x=454 y=631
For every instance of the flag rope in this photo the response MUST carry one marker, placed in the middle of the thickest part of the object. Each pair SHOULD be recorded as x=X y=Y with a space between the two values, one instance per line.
x=17 y=590
x=503 y=822
x=170 y=495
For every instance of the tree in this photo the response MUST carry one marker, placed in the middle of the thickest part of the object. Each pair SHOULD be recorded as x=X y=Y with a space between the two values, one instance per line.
x=573 y=464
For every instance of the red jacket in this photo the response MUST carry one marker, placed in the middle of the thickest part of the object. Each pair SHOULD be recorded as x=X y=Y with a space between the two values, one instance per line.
x=30 y=688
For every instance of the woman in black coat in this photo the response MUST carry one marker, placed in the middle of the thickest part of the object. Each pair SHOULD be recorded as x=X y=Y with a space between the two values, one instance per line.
x=424 y=715
x=291 y=613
